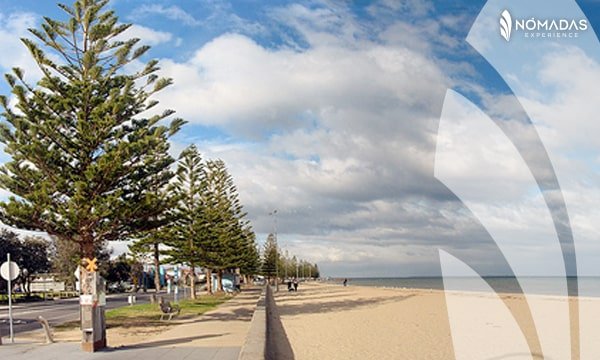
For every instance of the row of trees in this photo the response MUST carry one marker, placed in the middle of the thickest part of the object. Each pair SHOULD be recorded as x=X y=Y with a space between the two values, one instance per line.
x=277 y=265
x=89 y=156
x=31 y=253
x=36 y=256
x=206 y=224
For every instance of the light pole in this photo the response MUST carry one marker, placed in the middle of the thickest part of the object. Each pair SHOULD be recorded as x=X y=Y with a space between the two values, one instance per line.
x=285 y=266
x=274 y=214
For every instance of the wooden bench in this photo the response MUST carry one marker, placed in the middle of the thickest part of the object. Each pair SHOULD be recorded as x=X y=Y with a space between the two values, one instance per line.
x=167 y=309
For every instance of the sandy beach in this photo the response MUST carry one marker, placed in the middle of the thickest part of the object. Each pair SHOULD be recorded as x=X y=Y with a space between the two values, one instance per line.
x=329 y=321
x=325 y=321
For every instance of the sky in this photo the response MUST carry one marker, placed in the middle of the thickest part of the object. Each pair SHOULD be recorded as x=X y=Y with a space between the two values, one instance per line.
x=382 y=131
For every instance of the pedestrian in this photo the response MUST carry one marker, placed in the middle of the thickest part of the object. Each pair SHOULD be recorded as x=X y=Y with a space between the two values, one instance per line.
x=236 y=283
x=295 y=284
x=345 y=282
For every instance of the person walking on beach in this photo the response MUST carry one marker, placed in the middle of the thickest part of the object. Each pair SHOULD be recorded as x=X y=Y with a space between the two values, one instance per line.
x=295 y=284
x=345 y=282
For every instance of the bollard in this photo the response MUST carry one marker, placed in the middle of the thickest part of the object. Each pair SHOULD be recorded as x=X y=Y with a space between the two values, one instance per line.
x=46 y=327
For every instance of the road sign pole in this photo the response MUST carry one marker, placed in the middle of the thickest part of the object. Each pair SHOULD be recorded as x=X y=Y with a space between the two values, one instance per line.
x=10 y=318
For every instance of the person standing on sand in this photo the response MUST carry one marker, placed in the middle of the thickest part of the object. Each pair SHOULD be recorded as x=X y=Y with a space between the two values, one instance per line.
x=345 y=282
x=295 y=284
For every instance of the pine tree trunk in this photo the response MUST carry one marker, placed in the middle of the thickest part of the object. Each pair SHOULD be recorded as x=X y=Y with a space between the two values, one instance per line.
x=208 y=281
x=157 y=268
x=220 y=280
x=87 y=249
x=193 y=281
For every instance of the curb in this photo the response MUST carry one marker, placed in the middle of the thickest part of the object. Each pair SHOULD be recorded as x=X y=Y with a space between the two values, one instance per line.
x=256 y=340
x=266 y=339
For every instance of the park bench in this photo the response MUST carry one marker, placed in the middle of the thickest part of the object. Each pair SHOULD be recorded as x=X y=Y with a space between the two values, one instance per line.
x=167 y=309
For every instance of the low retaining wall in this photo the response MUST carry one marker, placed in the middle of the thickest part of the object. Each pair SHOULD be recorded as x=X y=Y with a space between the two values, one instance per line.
x=266 y=338
x=256 y=340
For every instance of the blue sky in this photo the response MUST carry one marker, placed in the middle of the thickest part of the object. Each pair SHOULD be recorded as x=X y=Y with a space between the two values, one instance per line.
x=328 y=112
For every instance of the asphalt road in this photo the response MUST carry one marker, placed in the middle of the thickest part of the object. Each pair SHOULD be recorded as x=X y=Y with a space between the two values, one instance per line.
x=58 y=311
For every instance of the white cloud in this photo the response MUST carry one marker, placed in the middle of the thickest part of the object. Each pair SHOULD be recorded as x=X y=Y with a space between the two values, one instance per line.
x=567 y=115
x=14 y=53
x=173 y=12
x=244 y=85
x=339 y=137
x=146 y=35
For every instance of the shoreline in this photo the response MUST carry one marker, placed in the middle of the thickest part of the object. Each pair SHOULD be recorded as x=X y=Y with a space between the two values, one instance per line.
x=330 y=321
x=466 y=292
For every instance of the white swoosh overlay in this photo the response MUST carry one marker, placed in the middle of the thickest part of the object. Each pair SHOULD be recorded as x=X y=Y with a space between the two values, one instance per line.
x=505 y=25
x=502 y=196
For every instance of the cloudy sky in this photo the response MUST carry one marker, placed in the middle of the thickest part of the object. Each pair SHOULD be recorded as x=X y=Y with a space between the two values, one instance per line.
x=332 y=112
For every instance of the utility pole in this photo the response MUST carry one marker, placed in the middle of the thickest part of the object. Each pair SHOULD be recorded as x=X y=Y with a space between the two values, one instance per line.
x=285 y=265
x=274 y=214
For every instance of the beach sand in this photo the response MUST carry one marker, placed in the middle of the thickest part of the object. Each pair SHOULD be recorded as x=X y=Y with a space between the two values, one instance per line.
x=329 y=321
x=334 y=322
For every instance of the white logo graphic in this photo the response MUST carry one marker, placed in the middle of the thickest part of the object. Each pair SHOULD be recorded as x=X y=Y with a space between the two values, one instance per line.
x=541 y=28
x=505 y=25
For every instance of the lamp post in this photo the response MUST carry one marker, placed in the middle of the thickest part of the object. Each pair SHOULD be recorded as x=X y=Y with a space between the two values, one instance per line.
x=285 y=265
x=274 y=214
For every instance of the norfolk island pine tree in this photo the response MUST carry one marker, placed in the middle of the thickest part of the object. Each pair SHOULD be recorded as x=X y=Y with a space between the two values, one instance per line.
x=85 y=152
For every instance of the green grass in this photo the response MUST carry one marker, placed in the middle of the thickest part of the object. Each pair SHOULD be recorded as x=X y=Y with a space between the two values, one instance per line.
x=20 y=297
x=149 y=314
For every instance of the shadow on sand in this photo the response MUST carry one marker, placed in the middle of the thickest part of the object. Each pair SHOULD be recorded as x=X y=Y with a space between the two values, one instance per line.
x=278 y=346
x=287 y=306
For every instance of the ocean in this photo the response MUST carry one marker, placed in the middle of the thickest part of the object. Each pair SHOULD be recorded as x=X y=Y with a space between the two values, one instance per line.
x=588 y=286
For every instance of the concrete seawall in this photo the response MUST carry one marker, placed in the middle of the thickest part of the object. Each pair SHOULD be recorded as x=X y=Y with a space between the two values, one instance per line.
x=266 y=338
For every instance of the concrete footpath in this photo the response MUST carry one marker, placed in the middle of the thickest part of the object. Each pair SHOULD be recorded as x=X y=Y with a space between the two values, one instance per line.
x=216 y=335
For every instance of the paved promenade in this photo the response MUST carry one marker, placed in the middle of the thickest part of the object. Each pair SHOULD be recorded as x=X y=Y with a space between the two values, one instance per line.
x=217 y=335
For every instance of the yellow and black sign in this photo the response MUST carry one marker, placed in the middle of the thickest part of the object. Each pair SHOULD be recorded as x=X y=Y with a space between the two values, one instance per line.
x=90 y=265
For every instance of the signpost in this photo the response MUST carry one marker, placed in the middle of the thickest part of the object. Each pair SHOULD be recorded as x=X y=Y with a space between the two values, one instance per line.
x=176 y=283
x=10 y=271
x=92 y=302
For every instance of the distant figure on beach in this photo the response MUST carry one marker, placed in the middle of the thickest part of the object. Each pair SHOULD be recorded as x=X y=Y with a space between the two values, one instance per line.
x=295 y=284
x=289 y=284
x=345 y=282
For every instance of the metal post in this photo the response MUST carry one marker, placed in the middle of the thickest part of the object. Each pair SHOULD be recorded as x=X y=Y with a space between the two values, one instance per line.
x=176 y=290
x=285 y=265
x=10 y=317
x=274 y=213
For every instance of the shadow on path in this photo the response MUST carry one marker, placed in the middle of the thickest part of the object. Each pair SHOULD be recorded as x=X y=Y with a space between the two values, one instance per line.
x=162 y=342
x=243 y=314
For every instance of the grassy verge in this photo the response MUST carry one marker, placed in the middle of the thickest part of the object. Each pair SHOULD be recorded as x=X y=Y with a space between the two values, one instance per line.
x=20 y=297
x=149 y=314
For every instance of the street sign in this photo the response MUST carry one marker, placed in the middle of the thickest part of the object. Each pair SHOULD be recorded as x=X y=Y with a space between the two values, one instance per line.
x=86 y=300
x=77 y=272
x=9 y=269
x=91 y=264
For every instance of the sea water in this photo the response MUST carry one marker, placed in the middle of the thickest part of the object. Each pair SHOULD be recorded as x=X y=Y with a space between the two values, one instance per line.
x=584 y=286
